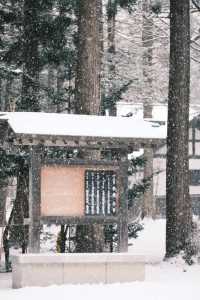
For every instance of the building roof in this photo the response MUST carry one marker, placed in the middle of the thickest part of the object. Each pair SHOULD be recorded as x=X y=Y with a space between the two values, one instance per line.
x=82 y=125
x=36 y=125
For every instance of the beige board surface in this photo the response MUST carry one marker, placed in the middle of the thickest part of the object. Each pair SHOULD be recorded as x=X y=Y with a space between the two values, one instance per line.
x=62 y=191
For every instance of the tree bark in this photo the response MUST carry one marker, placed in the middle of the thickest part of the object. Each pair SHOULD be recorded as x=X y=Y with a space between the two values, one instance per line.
x=8 y=94
x=6 y=245
x=89 y=238
x=89 y=62
x=60 y=87
x=30 y=78
x=111 y=20
x=62 y=238
x=147 y=57
x=178 y=214
x=60 y=76
x=1 y=94
x=148 y=208
x=21 y=207
x=3 y=196
x=50 y=84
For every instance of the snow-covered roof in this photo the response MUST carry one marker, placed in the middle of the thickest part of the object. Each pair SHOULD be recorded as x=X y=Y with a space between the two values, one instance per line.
x=35 y=123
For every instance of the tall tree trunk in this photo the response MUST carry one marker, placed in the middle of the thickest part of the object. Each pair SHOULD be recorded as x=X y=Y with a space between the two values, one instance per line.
x=60 y=75
x=60 y=88
x=6 y=105
x=101 y=47
x=62 y=238
x=3 y=196
x=101 y=27
x=111 y=20
x=8 y=93
x=1 y=94
x=50 y=84
x=147 y=58
x=30 y=78
x=6 y=245
x=29 y=102
x=179 y=216
x=21 y=207
x=89 y=65
x=89 y=238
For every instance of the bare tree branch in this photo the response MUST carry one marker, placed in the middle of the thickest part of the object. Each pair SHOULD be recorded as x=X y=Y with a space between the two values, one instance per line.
x=196 y=3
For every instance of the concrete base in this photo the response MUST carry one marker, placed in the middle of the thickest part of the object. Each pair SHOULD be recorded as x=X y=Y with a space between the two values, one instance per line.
x=44 y=270
x=5 y=281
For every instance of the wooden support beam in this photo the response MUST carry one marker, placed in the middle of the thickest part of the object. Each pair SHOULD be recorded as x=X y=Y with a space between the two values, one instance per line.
x=123 y=204
x=30 y=140
x=42 y=141
x=54 y=140
x=34 y=199
x=104 y=164
x=85 y=220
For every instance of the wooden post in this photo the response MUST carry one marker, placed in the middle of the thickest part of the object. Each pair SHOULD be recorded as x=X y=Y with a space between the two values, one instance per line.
x=123 y=204
x=148 y=209
x=34 y=199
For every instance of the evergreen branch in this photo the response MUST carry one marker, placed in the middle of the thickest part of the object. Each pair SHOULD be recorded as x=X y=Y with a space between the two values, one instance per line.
x=116 y=96
x=139 y=189
x=111 y=8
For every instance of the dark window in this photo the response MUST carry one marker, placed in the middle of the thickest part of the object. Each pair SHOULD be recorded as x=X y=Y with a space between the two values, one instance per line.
x=194 y=177
x=100 y=192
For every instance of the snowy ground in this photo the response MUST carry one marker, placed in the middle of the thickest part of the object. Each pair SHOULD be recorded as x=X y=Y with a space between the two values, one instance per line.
x=164 y=280
x=150 y=241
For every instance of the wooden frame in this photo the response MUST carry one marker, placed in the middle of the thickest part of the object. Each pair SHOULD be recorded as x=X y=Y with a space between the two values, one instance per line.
x=82 y=166
x=12 y=138
x=36 y=219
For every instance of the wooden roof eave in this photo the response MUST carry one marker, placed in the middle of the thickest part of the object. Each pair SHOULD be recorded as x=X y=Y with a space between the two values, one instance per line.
x=87 y=142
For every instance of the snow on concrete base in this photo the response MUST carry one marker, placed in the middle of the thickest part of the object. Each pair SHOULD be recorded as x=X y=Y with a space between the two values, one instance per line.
x=164 y=282
x=45 y=270
x=172 y=280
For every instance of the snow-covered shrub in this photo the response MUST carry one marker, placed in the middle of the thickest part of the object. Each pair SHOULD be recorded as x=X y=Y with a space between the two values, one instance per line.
x=134 y=228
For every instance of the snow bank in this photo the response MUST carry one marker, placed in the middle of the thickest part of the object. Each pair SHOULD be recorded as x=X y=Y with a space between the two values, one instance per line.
x=176 y=287
x=172 y=280
x=150 y=241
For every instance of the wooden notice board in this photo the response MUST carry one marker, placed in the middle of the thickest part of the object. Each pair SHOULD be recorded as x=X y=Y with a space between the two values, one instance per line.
x=62 y=191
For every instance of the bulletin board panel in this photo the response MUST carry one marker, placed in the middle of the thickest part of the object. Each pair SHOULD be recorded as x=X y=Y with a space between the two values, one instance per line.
x=63 y=189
